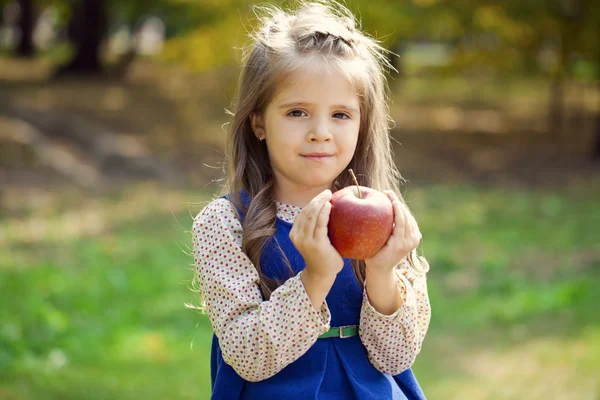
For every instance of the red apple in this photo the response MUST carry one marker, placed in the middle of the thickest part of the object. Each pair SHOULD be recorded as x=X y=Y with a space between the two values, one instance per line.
x=360 y=224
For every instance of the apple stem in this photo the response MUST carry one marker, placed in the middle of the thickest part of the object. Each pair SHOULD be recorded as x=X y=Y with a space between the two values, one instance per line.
x=355 y=182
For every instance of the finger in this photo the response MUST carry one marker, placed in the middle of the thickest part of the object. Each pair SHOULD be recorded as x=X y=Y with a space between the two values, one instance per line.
x=303 y=216
x=312 y=212
x=315 y=218
x=414 y=227
x=410 y=224
x=325 y=195
x=409 y=221
x=395 y=202
x=415 y=235
x=322 y=221
x=417 y=232
x=317 y=201
x=391 y=195
x=310 y=221
x=296 y=228
x=399 y=219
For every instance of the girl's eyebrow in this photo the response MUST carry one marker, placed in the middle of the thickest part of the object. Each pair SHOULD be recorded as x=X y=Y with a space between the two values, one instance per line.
x=304 y=104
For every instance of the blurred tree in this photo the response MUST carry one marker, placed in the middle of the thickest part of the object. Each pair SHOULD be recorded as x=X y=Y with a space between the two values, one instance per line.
x=569 y=16
x=396 y=24
x=86 y=29
x=90 y=21
x=596 y=15
x=25 y=47
x=591 y=48
x=24 y=12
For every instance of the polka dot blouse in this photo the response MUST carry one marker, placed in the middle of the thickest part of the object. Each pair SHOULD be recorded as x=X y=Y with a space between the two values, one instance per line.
x=259 y=338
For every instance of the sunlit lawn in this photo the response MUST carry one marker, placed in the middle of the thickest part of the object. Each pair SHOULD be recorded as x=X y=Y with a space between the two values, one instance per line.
x=92 y=294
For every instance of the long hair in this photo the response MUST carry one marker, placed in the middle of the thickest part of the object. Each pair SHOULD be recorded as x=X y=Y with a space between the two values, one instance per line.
x=286 y=42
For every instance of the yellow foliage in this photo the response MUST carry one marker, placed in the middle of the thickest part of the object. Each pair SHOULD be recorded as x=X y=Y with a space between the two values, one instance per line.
x=490 y=17
x=495 y=19
x=425 y=3
x=208 y=47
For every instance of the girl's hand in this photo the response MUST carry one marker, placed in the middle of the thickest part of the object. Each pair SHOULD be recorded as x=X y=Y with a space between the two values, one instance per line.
x=309 y=235
x=405 y=237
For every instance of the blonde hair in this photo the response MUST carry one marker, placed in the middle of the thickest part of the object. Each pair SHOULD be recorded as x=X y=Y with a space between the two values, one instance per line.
x=286 y=42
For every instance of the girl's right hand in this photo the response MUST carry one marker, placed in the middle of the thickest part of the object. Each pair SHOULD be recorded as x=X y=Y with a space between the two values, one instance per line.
x=309 y=235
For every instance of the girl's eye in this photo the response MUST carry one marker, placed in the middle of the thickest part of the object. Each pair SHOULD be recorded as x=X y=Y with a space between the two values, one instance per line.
x=296 y=113
x=300 y=113
x=341 y=115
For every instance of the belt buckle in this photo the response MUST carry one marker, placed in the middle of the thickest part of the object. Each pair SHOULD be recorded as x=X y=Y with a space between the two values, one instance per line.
x=342 y=336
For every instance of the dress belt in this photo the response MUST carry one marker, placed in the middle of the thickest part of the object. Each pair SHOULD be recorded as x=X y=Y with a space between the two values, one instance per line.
x=341 y=332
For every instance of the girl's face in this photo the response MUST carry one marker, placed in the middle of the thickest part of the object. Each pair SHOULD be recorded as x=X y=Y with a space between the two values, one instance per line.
x=311 y=130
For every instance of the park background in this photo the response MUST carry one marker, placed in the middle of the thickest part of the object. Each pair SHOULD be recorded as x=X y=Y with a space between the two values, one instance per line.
x=111 y=140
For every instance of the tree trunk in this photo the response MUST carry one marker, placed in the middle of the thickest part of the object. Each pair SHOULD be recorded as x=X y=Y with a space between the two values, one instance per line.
x=26 y=24
x=557 y=90
x=556 y=107
x=86 y=28
x=596 y=154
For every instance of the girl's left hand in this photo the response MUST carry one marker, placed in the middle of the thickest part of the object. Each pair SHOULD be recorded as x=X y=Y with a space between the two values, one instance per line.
x=405 y=237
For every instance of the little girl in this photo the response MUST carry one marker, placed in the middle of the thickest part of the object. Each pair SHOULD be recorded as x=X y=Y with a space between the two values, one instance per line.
x=293 y=319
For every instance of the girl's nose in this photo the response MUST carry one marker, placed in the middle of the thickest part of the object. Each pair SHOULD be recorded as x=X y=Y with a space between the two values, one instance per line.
x=320 y=132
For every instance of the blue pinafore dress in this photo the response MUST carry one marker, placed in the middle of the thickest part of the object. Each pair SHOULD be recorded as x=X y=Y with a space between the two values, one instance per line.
x=333 y=368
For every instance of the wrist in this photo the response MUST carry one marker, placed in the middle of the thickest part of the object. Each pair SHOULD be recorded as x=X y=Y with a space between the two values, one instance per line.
x=317 y=286
x=385 y=291
x=378 y=274
x=315 y=276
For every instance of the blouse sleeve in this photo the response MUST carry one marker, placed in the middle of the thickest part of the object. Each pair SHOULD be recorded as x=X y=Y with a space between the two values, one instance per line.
x=257 y=338
x=393 y=341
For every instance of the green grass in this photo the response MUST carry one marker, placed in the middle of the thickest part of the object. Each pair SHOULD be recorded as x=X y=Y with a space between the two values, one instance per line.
x=102 y=315
x=93 y=293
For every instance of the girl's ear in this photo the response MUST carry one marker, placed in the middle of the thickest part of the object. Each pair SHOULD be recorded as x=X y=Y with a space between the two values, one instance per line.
x=258 y=126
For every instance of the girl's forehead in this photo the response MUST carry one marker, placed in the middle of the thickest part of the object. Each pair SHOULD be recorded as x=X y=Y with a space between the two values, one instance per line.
x=318 y=79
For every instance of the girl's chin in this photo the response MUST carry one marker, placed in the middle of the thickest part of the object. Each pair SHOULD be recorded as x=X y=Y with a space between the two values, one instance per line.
x=317 y=181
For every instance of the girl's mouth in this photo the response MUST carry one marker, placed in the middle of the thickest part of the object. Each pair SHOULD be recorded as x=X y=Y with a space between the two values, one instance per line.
x=317 y=156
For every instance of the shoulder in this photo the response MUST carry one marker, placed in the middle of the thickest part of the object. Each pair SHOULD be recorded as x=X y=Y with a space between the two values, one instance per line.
x=218 y=214
x=216 y=207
